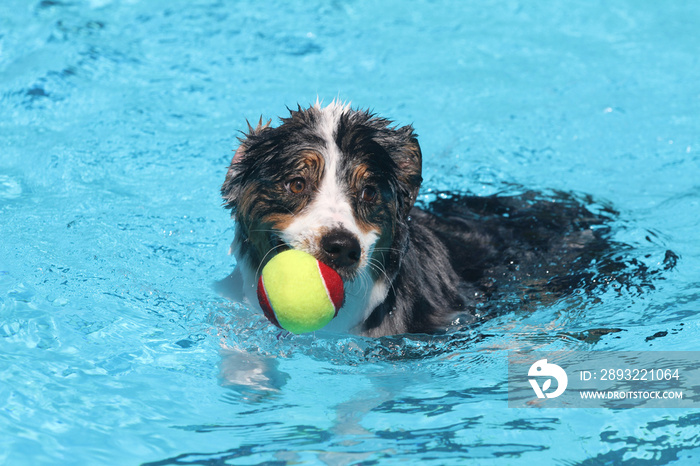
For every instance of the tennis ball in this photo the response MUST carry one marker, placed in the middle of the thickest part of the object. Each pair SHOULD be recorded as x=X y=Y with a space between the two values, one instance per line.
x=299 y=293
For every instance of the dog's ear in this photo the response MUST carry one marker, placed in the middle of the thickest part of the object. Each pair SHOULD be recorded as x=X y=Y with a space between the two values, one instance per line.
x=231 y=186
x=409 y=160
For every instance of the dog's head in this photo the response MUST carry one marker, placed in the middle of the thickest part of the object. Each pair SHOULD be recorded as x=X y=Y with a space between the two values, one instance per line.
x=334 y=182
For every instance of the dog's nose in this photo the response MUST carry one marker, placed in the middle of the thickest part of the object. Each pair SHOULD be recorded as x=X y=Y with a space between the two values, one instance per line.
x=341 y=248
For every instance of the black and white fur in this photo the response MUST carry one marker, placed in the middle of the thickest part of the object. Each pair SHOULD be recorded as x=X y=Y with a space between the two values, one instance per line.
x=341 y=184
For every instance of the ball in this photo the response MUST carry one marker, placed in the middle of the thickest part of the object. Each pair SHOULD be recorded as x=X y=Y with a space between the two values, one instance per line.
x=298 y=293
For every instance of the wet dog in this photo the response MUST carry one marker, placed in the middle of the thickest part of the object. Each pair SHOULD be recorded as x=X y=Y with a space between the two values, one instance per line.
x=341 y=184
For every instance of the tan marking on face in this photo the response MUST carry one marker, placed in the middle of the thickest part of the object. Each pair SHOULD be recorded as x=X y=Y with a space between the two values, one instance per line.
x=260 y=231
x=359 y=175
x=277 y=221
x=357 y=182
x=368 y=227
x=311 y=164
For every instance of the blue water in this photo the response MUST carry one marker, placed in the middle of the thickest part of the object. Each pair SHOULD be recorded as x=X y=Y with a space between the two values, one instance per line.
x=117 y=122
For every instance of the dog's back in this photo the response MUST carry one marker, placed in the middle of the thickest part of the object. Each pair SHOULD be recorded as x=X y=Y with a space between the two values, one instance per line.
x=474 y=257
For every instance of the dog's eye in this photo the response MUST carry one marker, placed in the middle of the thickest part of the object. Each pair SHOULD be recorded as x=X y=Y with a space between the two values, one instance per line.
x=369 y=194
x=296 y=185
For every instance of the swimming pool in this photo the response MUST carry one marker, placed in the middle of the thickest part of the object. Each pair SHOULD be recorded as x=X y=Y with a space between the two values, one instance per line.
x=117 y=122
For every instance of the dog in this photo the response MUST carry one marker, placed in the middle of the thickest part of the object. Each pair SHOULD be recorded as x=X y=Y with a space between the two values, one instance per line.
x=342 y=184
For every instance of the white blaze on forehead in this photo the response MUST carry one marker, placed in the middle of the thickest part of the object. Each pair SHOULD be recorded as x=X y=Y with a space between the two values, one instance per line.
x=330 y=116
x=332 y=199
x=331 y=206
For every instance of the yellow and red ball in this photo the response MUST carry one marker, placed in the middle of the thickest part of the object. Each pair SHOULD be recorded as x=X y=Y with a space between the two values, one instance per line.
x=299 y=293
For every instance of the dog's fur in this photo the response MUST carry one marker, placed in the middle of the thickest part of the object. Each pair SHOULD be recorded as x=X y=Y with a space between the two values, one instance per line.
x=341 y=184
